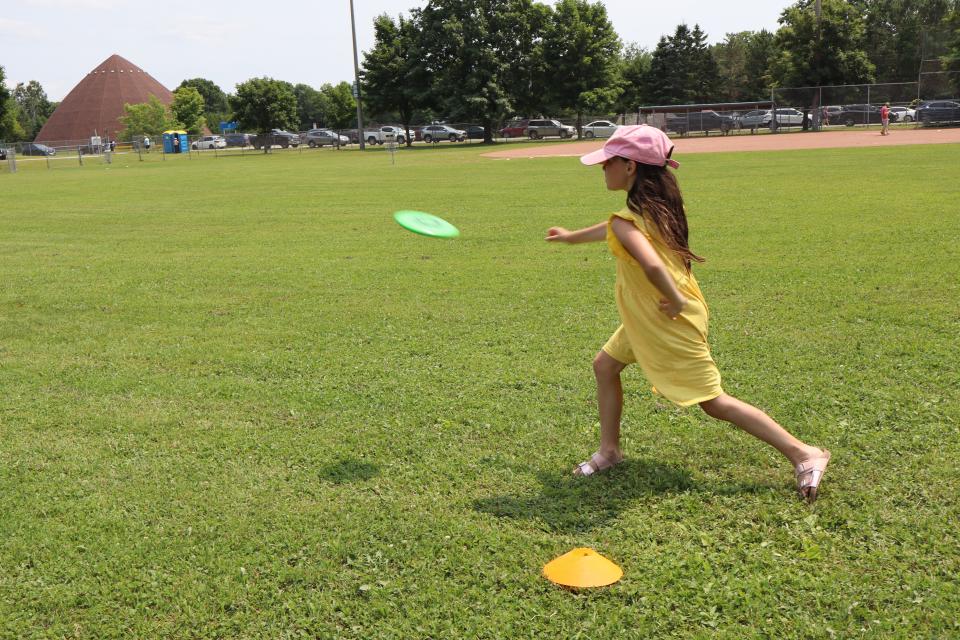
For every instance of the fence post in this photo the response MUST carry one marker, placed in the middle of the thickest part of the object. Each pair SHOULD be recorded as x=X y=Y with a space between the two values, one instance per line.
x=773 y=111
x=866 y=118
x=79 y=157
x=12 y=160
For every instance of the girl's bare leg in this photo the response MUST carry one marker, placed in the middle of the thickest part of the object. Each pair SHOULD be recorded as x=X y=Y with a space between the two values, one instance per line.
x=610 y=403
x=760 y=425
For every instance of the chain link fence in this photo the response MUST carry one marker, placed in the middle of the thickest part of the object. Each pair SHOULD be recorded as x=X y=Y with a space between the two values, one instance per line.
x=64 y=154
x=933 y=100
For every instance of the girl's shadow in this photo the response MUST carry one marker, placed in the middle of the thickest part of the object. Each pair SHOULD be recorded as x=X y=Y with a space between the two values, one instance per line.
x=348 y=470
x=571 y=505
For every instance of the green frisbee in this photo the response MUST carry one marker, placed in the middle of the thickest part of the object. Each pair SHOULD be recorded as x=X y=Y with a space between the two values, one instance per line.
x=425 y=224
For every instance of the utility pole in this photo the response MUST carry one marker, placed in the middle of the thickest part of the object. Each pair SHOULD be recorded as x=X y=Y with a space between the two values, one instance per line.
x=819 y=103
x=356 y=76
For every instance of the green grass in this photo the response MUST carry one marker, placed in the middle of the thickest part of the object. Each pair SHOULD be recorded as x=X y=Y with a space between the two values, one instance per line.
x=238 y=401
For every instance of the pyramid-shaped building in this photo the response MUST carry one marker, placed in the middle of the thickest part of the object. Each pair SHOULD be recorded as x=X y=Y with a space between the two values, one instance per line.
x=95 y=105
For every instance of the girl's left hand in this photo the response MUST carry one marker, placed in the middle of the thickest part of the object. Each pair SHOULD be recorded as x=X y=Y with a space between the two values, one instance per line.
x=672 y=309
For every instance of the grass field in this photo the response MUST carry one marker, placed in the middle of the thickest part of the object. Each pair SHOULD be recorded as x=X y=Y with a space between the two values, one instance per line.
x=238 y=401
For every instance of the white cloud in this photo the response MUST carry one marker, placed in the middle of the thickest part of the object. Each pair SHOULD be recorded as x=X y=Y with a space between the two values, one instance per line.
x=19 y=29
x=78 y=4
x=210 y=32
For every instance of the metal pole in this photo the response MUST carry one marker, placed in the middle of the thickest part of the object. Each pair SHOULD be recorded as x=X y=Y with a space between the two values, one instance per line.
x=356 y=75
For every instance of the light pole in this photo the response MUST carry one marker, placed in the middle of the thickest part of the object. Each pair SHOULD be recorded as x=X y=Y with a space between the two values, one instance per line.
x=356 y=76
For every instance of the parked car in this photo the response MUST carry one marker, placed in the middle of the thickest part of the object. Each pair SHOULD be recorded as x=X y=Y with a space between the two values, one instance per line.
x=209 y=142
x=785 y=117
x=474 y=132
x=3 y=153
x=938 y=111
x=599 y=129
x=752 y=119
x=514 y=129
x=36 y=149
x=538 y=129
x=438 y=132
x=237 y=139
x=276 y=137
x=904 y=114
x=705 y=121
x=320 y=137
x=852 y=114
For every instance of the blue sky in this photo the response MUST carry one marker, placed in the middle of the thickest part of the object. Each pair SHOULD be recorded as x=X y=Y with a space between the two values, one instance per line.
x=57 y=42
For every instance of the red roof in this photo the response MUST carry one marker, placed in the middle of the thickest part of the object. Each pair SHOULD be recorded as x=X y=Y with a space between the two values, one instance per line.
x=96 y=103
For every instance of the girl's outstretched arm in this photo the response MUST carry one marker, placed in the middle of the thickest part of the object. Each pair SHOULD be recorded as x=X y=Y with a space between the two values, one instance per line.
x=596 y=233
x=643 y=252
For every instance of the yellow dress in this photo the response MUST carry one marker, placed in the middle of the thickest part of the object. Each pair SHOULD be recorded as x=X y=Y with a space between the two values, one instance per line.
x=673 y=354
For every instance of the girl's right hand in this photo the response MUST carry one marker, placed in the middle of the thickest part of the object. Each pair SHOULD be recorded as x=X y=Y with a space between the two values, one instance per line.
x=557 y=234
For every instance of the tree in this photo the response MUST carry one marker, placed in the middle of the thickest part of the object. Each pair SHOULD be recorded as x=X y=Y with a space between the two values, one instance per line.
x=393 y=72
x=683 y=70
x=149 y=118
x=262 y=104
x=10 y=128
x=33 y=106
x=311 y=107
x=216 y=108
x=706 y=73
x=761 y=51
x=187 y=110
x=340 y=104
x=528 y=76
x=633 y=67
x=583 y=51
x=743 y=60
x=467 y=46
x=894 y=31
x=951 y=61
x=830 y=55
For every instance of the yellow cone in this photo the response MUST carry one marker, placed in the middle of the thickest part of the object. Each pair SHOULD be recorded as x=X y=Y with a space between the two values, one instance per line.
x=582 y=568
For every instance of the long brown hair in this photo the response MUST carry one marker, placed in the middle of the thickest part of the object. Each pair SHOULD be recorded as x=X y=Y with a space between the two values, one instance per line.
x=656 y=195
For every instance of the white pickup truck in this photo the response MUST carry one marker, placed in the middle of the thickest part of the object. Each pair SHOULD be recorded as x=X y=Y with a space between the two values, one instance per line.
x=385 y=134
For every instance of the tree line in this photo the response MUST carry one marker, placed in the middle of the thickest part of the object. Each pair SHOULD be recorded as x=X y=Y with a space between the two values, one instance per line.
x=487 y=60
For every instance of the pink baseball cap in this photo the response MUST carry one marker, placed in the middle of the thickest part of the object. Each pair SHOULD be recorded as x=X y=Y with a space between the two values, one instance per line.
x=640 y=143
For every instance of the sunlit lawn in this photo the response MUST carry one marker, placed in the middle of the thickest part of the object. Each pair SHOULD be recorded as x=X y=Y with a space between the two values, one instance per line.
x=238 y=401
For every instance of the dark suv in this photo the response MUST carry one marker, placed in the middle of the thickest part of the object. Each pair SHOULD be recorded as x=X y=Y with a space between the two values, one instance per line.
x=945 y=111
x=705 y=121
x=36 y=149
x=237 y=139
x=852 y=114
x=276 y=137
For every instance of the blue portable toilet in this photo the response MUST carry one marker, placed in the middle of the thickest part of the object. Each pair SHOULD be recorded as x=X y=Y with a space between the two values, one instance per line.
x=168 y=144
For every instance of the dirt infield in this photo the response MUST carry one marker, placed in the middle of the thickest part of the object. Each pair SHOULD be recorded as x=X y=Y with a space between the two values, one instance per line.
x=759 y=142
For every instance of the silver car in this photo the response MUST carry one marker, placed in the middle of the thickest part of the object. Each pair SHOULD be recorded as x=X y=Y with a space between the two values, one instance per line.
x=320 y=137
x=599 y=129
x=784 y=118
x=437 y=132
x=210 y=142
x=753 y=119
x=904 y=114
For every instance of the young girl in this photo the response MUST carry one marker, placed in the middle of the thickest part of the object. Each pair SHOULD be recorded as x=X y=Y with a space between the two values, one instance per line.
x=663 y=313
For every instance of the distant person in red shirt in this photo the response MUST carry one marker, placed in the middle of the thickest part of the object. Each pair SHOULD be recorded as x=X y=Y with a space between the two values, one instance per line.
x=885 y=119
